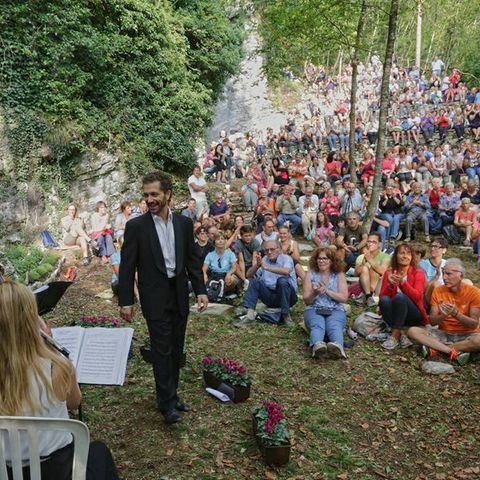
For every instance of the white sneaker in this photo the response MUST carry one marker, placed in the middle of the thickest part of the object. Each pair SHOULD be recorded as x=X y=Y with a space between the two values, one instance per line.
x=372 y=301
x=319 y=349
x=350 y=272
x=405 y=342
x=359 y=299
x=246 y=283
x=335 y=350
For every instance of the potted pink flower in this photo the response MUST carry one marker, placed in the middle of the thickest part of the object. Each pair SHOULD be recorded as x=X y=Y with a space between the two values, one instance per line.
x=271 y=433
x=224 y=370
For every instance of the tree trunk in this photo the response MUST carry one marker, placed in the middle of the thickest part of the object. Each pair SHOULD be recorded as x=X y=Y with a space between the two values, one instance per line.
x=382 y=119
x=418 y=44
x=353 y=92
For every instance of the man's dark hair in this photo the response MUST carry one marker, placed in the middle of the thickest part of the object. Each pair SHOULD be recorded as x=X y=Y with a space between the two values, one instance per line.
x=246 y=229
x=163 y=178
x=376 y=234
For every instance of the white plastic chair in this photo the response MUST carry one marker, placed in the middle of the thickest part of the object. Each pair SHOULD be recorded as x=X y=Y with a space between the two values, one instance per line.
x=13 y=425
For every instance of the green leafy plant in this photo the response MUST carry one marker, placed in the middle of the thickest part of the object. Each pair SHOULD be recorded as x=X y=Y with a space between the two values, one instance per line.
x=30 y=263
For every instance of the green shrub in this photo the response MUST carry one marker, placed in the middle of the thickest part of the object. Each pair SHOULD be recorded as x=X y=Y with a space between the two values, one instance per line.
x=51 y=258
x=33 y=276
x=44 y=268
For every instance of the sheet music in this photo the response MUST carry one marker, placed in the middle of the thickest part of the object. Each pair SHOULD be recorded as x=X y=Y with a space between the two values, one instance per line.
x=103 y=358
x=71 y=338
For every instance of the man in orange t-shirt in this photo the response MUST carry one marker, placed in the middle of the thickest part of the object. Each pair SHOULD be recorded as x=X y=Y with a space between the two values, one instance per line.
x=456 y=311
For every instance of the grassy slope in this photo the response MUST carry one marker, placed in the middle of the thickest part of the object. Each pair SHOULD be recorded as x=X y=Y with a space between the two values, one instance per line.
x=372 y=416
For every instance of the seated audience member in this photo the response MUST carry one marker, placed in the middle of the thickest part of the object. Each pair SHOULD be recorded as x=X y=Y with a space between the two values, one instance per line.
x=370 y=267
x=273 y=281
x=279 y=172
x=121 y=220
x=456 y=311
x=324 y=233
x=448 y=205
x=351 y=240
x=390 y=206
x=73 y=233
x=308 y=206
x=249 y=192
x=287 y=204
x=203 y=246
x=37 y=381
x=212 y=230
x=244 y=248
x=190 y=210
x=472 y=192
x=324 y=292
x=198 y=191
x=289 y=246
x=232 y=231
x=219 y=210
x=433 y=266
x=102 y=231
x=352 y=200
x=268 y=232
x=264 y=204
x=464 y=219
x=401 y=296
x=221 y=264
x=298 y=169
x=333 y=168
x=115 y=260
x=330 y=204
x=140 y=209
x=416 y=207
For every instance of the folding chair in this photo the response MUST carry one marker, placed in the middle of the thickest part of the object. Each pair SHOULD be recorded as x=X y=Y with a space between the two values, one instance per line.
x=10 y=427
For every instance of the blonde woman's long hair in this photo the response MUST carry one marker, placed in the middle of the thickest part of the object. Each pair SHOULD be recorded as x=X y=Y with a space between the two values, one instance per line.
x=21 y=349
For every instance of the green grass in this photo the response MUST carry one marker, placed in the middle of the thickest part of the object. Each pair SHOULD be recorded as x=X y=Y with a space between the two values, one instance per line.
x=375 y=412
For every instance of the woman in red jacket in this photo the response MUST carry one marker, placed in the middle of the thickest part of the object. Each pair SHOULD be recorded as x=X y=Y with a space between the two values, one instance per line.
x=401 y=296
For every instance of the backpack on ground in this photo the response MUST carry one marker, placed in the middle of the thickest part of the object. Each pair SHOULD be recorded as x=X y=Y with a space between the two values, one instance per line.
x=48 y=240
x=215 y=290
x=452 y=235
x=369 y=323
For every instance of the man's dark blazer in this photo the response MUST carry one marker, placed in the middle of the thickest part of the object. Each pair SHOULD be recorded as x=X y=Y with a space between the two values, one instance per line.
x=141 y=251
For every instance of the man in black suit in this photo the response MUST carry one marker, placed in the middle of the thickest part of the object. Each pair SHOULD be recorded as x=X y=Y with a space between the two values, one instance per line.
x=159 y=246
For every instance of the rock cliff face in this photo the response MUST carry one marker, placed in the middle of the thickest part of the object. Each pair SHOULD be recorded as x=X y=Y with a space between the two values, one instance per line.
x=244 y=105
x=98 y=176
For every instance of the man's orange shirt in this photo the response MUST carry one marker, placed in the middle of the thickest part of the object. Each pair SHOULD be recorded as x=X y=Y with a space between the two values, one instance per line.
x=297 y=170
x=464 y=300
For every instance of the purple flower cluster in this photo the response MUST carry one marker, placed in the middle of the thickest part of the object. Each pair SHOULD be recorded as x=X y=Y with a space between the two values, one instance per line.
x=101 y=321
x=231 y=366
x=275 y=415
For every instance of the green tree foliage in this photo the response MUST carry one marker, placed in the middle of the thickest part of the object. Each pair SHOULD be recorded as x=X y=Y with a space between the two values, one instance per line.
x=139 y=76
x=315 y=30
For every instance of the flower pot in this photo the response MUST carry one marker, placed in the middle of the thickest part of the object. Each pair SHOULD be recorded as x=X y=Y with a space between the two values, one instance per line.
x=240 y=393
x=278 y=455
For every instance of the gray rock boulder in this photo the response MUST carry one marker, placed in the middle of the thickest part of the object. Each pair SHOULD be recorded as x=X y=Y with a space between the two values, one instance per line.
x=437 y=368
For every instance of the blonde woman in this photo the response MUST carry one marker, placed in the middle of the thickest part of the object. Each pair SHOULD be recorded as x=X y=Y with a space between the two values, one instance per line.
x=36 y=381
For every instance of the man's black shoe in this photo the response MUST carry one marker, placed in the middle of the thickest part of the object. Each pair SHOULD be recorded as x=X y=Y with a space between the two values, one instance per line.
x=172 y=416
x=182 y=407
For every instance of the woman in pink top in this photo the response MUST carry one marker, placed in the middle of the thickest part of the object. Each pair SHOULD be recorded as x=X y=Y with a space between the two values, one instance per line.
x=330 y=204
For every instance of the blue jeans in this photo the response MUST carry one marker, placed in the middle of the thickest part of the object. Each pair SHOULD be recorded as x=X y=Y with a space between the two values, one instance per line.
x=343 y=141
x=476 y=246
x=105 y=246
x=351 y=258
x=283 y=297
x=428 y=133
x=394 y=220
x=294 y=219
x=229 y=163
x=400 y=311
x=332 y=140
x=358 y=136
x=472 y=172
x=332 y=325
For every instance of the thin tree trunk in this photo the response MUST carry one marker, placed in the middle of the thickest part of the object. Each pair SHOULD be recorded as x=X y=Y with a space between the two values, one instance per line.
x=353 y=91
x=382 y=119
x=418 y=40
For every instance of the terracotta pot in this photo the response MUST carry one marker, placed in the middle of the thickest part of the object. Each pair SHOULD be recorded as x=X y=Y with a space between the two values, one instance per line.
x=278 y=455
x=241 y=393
